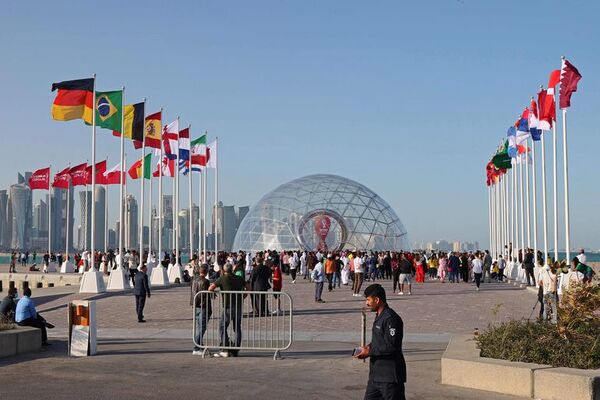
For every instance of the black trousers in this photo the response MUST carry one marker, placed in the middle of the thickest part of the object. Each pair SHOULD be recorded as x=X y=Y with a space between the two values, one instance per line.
x=293 y=272
x=477 y=278
x=396 y=279
x=528 y=274
x=464 y=271
x=329 y=281
x=140 y=302
x=384 y=391
x=39 y=323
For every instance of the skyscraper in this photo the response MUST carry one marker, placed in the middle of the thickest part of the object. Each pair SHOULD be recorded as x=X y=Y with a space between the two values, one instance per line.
x=85 y=207
x=184 y=229
x=20 y=197
x=195 y=221
x=131 y=223
x=167 y=214
x=226 y=227
x=99 y=216
x=4 y=242
x=59 y=218
x=242 y=211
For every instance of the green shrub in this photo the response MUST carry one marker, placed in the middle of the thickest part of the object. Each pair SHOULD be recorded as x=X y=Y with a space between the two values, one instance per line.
x=574 y=342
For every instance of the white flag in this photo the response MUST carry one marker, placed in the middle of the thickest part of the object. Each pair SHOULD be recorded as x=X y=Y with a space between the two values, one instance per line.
x=211 y=153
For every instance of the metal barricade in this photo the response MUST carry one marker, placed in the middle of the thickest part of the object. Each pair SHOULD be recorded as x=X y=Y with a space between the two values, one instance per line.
x=244 y=320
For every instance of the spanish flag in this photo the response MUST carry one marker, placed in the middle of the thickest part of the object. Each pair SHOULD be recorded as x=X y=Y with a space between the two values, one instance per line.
x=133 y=122
x=152 y=131
x=75 y=100
x=141 y=167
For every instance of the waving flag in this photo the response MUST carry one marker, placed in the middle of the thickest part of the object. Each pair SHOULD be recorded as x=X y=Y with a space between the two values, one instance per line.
x=198 y=150
x=100 y=169
x=109 y=110
x=211 y=154
x=112 y=175
x=133 y=122
x=569 y=77
x=168 y=168
x=74 y=100
x=171 y=139
x=78 y=175
x=152 y=131
x=141 y=168
x=62 y=180
x=40 y=179
x=184 y=144
x=533 y=122
x=502 y=159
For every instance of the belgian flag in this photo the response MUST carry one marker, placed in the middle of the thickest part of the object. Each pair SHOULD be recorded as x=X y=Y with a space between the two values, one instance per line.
x=133 y=122
x=74 y=100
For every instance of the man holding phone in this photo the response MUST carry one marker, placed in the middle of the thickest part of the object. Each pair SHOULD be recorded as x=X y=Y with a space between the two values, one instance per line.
x=387 y=368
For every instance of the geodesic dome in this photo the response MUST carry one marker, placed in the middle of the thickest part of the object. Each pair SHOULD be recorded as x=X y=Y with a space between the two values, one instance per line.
x=321 y=212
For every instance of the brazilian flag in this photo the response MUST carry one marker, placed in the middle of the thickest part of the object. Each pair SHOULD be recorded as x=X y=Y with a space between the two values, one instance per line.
x=109 y=110
x=501 y=159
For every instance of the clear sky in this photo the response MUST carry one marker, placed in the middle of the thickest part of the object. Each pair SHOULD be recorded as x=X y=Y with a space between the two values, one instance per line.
x=408 y=98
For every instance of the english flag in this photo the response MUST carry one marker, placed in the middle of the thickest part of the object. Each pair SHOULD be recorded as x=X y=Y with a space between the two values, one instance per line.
x=168 y=168
x=40 y=179
x=171 y=139
x=569 y=76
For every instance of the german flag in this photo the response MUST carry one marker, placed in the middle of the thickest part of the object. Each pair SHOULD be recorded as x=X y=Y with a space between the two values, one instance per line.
x=75 y=100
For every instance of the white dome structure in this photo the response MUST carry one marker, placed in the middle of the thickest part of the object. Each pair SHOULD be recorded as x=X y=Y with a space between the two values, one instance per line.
x=321 y=212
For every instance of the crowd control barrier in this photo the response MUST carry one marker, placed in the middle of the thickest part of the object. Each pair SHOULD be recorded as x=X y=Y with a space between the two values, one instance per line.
x=246 y=320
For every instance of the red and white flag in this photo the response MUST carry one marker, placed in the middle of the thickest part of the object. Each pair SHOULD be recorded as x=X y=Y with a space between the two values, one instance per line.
x=211 y=154
x=171 y=139
x=40 y=179
x=62 y=180
x=569 y=76
x=100 y=169
x=78 y=175
x=112 y=176
x=168 y=168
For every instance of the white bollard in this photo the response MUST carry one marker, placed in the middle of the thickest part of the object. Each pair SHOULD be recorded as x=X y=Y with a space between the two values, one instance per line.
x=118 y=279
x=92 y=282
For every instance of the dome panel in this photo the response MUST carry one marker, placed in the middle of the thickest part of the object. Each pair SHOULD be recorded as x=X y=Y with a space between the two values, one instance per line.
x=324 y=212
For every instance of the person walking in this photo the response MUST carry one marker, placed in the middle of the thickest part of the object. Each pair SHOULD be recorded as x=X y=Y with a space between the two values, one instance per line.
x=477 y=269
x=141 y=290
x=420 y=270
x=387 y=367
x=547 y=281
x=329 y=271
x=277 y=278
x=359 y=273
x=294 y=261
x=405 y=274
x=259 y=280
x=317 y=276
x=487 y=265
x=528 y=265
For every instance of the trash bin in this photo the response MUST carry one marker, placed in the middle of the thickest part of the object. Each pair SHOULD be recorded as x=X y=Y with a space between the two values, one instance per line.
x=82 y=328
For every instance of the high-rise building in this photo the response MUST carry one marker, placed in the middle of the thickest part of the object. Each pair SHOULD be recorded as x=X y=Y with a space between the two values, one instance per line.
x=20 y=196
x=167 y=215
x=195 y=221
x=242 y=211
x=99 y=217
x=112 y=239
x=184 y=229
x=456 y=246
x=4 y=241
x=40 y=219
x=131 y=223
x=58 y=215
x=85 y=232
x=227 y=225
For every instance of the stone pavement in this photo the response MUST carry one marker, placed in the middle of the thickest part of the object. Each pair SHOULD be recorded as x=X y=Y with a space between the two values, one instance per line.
x=156 y=356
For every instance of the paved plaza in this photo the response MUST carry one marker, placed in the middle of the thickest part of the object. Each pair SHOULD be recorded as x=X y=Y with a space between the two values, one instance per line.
x=156 y=356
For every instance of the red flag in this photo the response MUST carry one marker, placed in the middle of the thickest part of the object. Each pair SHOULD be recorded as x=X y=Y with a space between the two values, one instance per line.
x=40 y=179
x=62 y=180
x=78 y=174
x=168 y=168
x=100 y=169
x=546 y=109
x=569 y=76
x=112 y=178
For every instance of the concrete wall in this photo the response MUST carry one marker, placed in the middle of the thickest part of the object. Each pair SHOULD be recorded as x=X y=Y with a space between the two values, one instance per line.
x=463 y=366
x=34 y=280
x=20 y=340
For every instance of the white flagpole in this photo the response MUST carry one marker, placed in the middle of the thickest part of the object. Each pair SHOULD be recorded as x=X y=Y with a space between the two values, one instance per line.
x=121 y=190
x=555 y=192
x=498 y=213
x=176 y=207
x=49 y=215
x=106 y=213
x=85 y=230
x=160 y=197
x=566 y=177
x=522 y=210
x=200 y=213
x=507 y=220
x=191 y=223
x=141 y=212
x=216 y=197
x=544 y=197
x=68 y=220
x=535 y=216
x=204 y=213
x=93 y=216
x=149 y=208
x=126 y=225
x=490 y=213
x=505 y=214
x=527 y=202
x=512 y=211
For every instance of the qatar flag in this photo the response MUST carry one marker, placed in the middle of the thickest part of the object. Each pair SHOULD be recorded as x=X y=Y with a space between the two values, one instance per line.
x=569 y=76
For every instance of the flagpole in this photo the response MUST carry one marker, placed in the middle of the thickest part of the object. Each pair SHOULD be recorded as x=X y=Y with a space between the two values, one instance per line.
x=150 y=209
x=527 y=202
x=160 y=198
x=490 y=213
x=515 y=251
x=93 y=216
x=106 y=212
x=173 y=207
x=216 y=198
x=176 y=209
x=85 y=231
x=535 y=216
x=497 y=216
x=505 y=214
x=141 y=212
x=204 y=213
x=507 y=203
x=126 y=222
x=522 y=206
x=555 y=192
x=49 y=216
x=566 y=176
x=68 y=219
x=121 y=188
x=191 y=223
x=200 y=212
x=544 y=195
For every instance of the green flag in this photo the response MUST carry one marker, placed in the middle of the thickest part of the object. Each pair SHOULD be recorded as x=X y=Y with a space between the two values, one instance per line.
x=109 y=110
x=501 y=159
x=148 y=166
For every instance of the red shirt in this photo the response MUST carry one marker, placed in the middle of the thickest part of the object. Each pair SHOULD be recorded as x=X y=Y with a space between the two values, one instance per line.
x=277 y=279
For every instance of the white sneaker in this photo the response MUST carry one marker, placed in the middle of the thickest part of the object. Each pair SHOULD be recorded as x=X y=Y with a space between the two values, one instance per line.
x=197 y=352
x=276 y=312
x=409 y=293
x=400 y=293
x=294 y=281
x=223 y=354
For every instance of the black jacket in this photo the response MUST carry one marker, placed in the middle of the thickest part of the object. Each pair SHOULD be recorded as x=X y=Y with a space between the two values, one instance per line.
x=387 y=363
x=260 y=278
x=141 y=286
x=8 y=306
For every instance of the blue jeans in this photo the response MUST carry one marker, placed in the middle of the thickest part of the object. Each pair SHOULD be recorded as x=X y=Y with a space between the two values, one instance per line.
x=454 y=277
x=202 y=317
x=336 y=279
x=231 y=314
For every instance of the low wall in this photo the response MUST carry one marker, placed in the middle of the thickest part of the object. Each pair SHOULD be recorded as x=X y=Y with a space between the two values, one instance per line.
x=37 y=280
x=20 y=340
x=463 y=366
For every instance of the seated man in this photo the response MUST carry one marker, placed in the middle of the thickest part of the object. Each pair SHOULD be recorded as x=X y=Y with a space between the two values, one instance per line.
x=8 y=306
x=26 y=315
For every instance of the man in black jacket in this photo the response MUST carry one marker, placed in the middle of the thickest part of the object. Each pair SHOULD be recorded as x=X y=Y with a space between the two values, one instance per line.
x=387 y=368
x=141 y=289
x=259 y=279
x=8 y=306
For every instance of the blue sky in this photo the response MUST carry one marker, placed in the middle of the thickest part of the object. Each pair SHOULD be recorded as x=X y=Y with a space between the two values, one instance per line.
x=408 y=98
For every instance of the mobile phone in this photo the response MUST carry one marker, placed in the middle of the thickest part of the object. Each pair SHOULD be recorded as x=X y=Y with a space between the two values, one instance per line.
x=356 y=351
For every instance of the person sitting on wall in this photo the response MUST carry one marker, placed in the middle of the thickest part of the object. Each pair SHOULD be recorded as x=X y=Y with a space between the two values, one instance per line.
x=26 y=315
